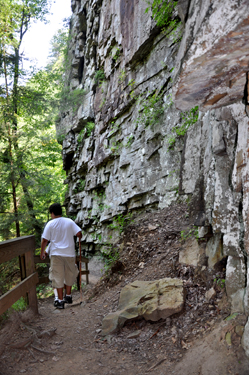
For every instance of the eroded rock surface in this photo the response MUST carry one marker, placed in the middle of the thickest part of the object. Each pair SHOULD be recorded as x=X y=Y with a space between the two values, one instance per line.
x=151 y=300
x=214 y=55
x=125 y=165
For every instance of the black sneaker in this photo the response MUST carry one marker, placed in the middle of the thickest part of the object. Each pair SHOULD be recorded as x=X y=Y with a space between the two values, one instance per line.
x=68 y=299
x=59 y=304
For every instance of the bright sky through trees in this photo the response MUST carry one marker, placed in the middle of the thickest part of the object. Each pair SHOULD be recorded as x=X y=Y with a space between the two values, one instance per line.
x=30 y=156
x=36 y=44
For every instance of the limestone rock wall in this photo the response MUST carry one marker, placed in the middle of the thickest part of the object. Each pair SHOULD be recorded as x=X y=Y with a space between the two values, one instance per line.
x=148 y=80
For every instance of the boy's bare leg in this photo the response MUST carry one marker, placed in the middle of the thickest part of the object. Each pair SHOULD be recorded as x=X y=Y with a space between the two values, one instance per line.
x=60 y=293
x=68 y=290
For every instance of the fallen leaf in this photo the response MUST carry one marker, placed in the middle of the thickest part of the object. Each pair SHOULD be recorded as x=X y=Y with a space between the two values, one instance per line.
x=231 y=317
x=184 y=345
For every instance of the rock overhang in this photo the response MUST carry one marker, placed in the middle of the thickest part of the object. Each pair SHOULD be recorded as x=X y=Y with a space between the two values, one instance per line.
x=214 y=74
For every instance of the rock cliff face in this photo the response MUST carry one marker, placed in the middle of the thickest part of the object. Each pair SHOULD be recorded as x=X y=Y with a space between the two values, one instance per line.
x=137 y=83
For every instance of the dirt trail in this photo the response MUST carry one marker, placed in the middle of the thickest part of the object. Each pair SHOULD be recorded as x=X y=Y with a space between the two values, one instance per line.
x=69 y=341
x=77 y=348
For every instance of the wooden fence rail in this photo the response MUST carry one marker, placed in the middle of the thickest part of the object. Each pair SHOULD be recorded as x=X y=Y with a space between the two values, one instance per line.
x=24 y=247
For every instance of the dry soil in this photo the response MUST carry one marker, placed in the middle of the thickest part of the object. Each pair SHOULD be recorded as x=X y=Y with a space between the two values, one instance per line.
x=202 y=340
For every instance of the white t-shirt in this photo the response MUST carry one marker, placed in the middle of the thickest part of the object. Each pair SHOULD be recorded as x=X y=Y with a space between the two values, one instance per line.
x=60 y=232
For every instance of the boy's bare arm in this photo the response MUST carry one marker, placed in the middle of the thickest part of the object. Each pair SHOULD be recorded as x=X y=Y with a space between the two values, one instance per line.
x=43 y=246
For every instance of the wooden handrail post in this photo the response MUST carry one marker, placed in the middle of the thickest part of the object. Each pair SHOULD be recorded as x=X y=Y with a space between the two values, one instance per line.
x=30 y=269
x=22 y=266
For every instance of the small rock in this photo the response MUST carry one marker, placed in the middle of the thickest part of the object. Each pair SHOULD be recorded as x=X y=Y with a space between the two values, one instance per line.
x=57 y=311
x=168 y=322
x=141 y=265
x=98 y=330
x=22 y=371
x=211 y=293
x=55 y=359
x=152 y=227
x=109 y=339
x=134 y=334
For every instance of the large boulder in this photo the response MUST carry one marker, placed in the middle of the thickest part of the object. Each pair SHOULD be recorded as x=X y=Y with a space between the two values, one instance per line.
x=151 y=300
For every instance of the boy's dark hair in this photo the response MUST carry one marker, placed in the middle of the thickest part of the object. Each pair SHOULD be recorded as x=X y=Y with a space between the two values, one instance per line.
x=56 y=209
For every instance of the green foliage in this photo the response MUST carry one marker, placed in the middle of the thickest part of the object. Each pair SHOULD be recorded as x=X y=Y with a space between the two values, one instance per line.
x=116 y=55
x=44 y=291
x=162 y=12
x=99 y=197
x=232 y=316
x=72 y=217
x=110 y=259
x=116 y=147
x=70 y=100
x=80 y=187
x=60 y=138
x=102 y=103
x=20 y=305
x=171 y=173
x=31 y=167
x=129 y=141
x=99 y=77
x=15 y=17
x=189 y=118
x=220 y=282
x=121 y=76
x=89 y=128
x=9 y=275
x=81 y=136
x=114 y=127
x=121 y=221
x=151 y=110
x=188 y=233
x=131 y=84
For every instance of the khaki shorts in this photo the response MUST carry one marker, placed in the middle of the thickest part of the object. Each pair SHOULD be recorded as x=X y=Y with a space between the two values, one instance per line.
x=63 y=270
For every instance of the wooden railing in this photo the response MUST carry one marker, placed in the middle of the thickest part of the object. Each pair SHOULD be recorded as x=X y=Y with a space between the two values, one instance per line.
x=24 y=247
